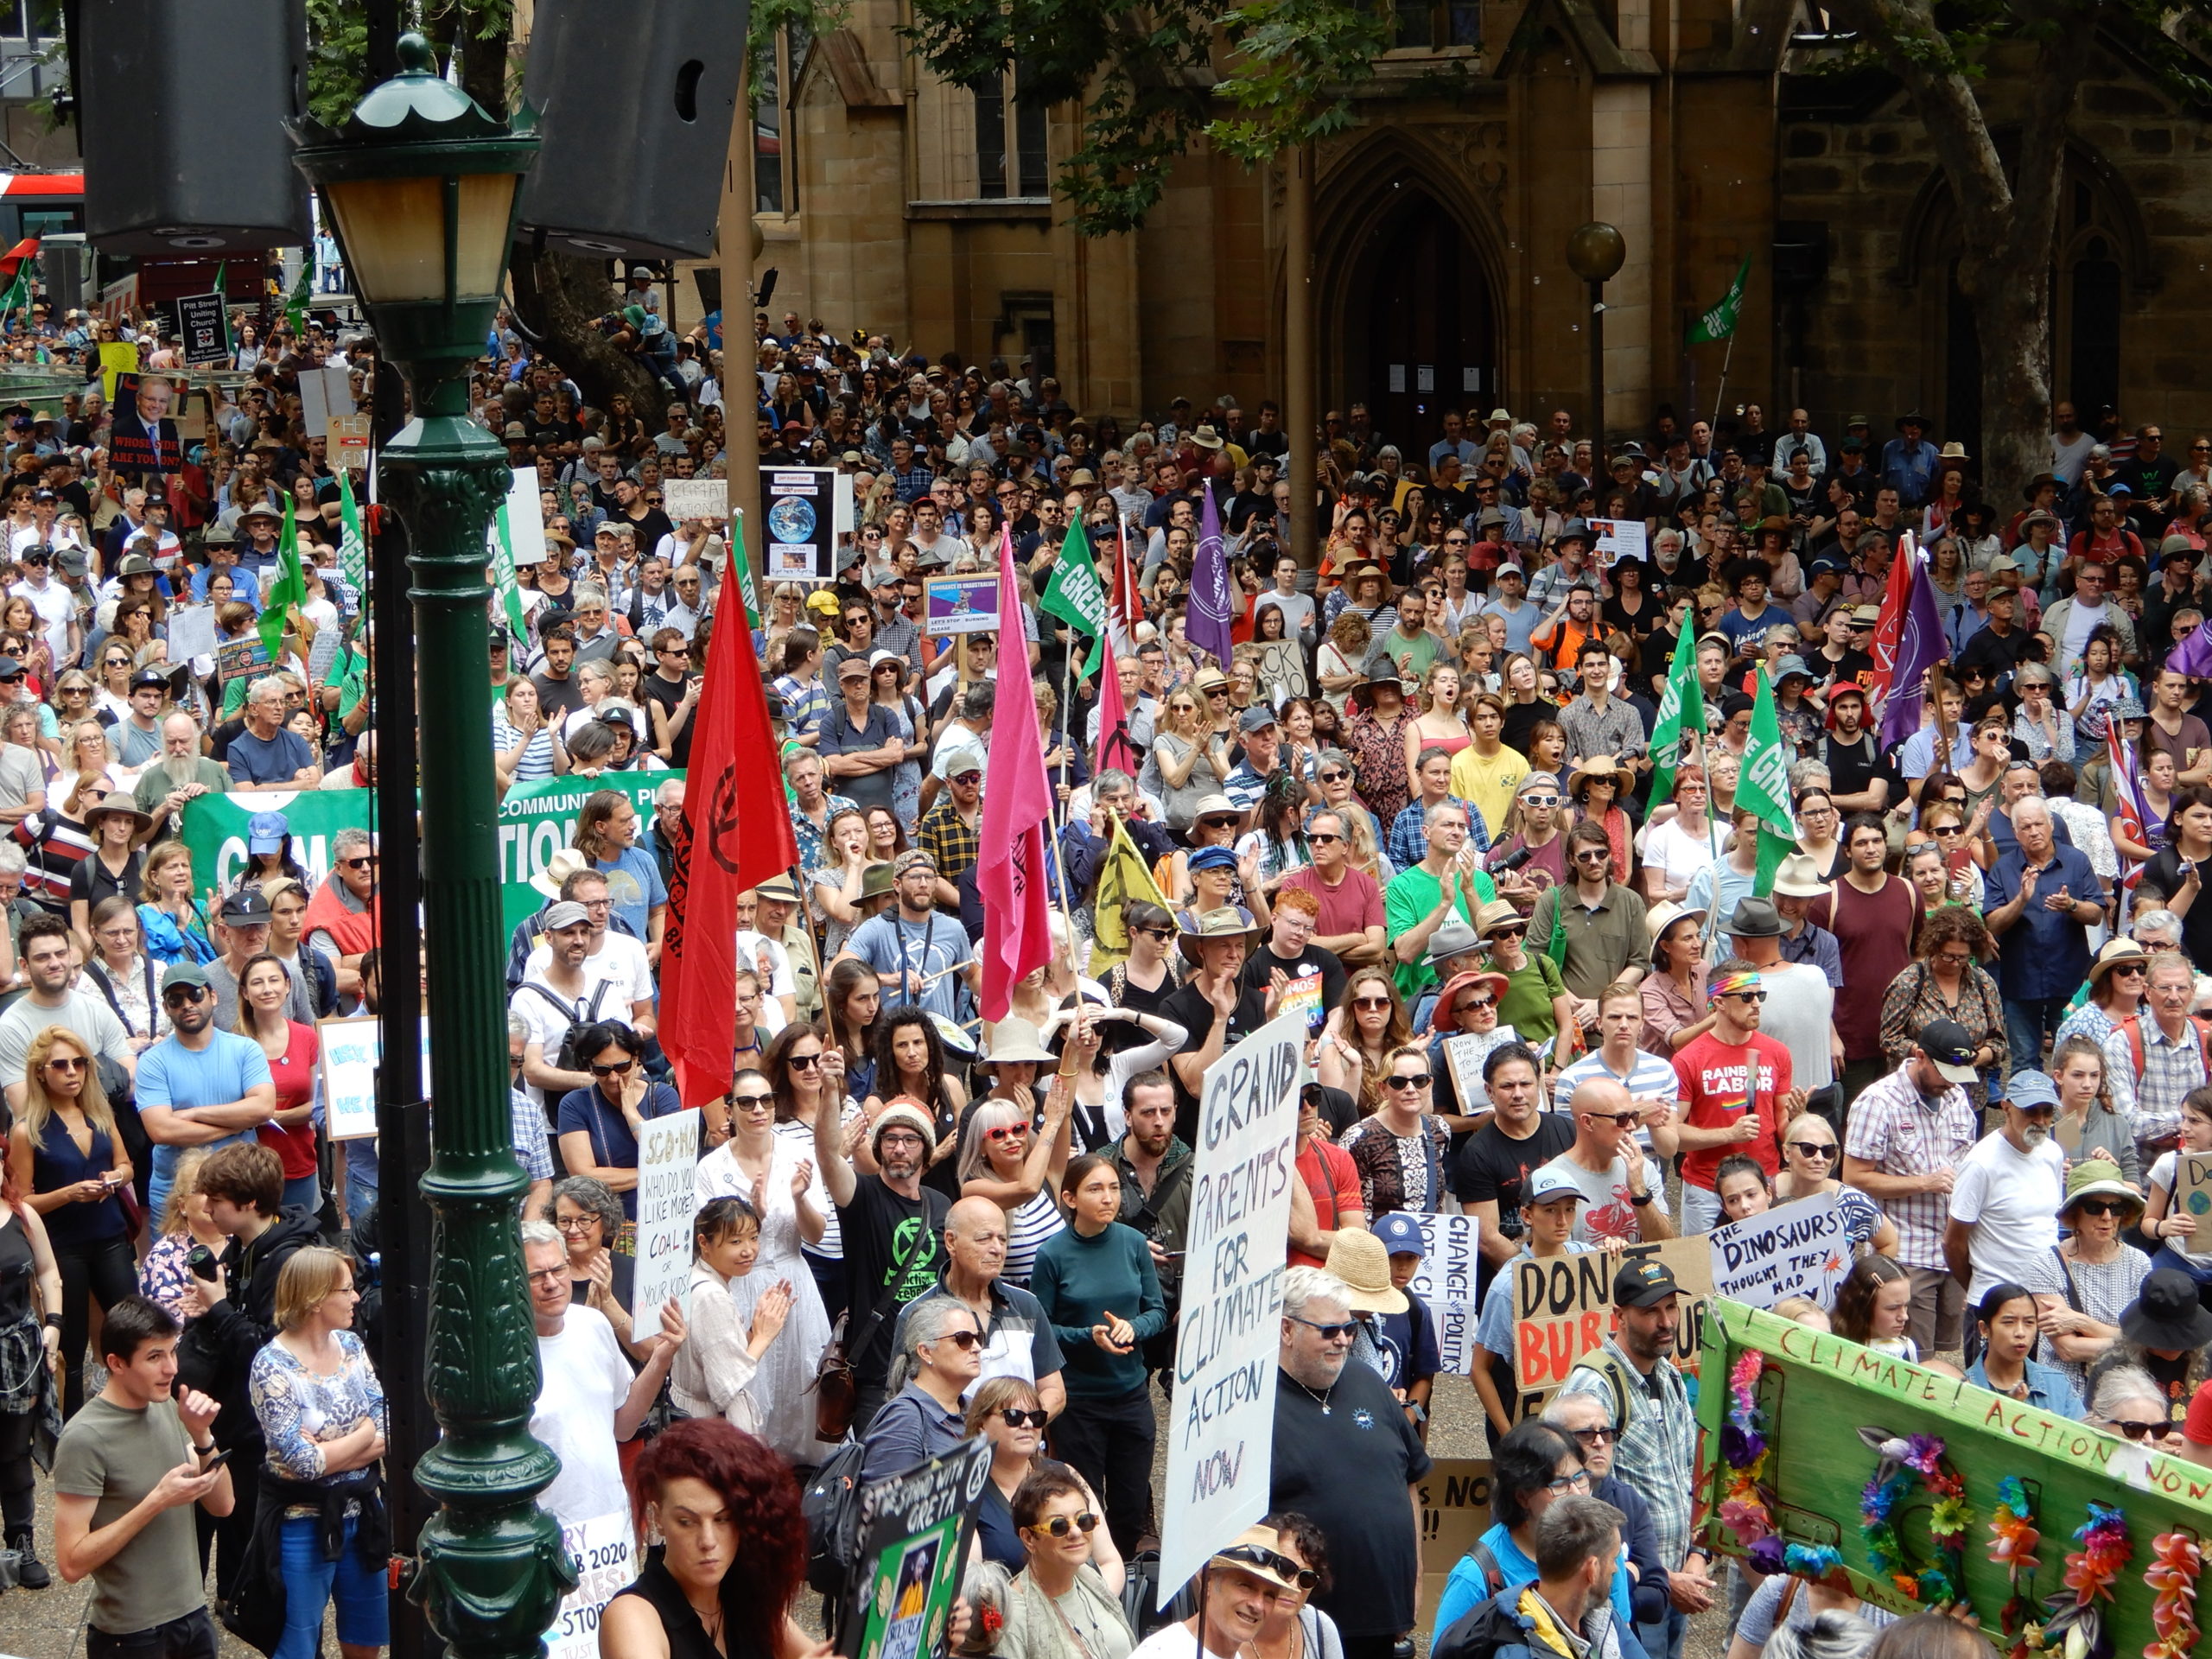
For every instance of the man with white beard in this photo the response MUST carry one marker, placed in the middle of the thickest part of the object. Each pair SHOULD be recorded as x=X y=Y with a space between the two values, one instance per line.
x=182 y=772
x=2004 y=1225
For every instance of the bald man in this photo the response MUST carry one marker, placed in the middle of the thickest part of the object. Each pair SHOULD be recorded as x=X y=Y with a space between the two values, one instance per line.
x=1018 y=1339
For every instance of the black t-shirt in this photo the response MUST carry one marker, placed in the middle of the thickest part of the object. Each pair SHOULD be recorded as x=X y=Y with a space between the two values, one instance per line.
x=892 y=1245
x=668 y=693
x=1189 y=1008
x=557 y=699
x=1852 y=767
x=1492 y=1165
x=1999 y=656
x=650 y=528
x=1349 y=1468
x=1853 y=668
x=1521 y=719
x=1312 y=967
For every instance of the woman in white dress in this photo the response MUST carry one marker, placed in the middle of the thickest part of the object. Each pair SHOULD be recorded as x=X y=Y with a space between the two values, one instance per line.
x=772 y=1175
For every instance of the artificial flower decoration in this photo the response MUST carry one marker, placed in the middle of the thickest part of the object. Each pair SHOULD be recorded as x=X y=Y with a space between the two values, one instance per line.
x=1743 y=1509
x=2014 y=1540
x=2178 y=1560
x=1907 y=1463
x=2091 y=1572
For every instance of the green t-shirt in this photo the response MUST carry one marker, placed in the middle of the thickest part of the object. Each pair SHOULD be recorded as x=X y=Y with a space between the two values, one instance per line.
x=116 y=1456
x=1406 y=904
x=1526 y=1004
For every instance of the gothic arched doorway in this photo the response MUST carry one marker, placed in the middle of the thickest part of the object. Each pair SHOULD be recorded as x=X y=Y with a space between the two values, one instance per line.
x=1418 y=324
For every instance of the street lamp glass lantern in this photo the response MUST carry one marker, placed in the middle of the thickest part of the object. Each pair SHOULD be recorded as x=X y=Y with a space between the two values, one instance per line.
x=423 y=187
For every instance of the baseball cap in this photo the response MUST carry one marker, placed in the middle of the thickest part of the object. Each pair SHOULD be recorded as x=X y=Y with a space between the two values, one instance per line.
x=265 y=832
x=567 y=913
x=2027 y=1089
x=1644 y=1284
x=1257 y=718
x=246 y=906
x=1946 y=1043
x=1400 y=1233
x=144 y=678
x=1547 y=1185
x=189 y=973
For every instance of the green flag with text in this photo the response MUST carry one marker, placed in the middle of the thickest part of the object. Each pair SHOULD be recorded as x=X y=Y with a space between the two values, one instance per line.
x=1719 y=323
x=1076 y=595
x=1682 y=717
x=1763 y=786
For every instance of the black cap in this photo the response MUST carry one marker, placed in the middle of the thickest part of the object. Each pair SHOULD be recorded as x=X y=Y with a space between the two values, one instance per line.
x=1949 y=1045
x=1644 y=1284
x=246 y=907
x=146 y=677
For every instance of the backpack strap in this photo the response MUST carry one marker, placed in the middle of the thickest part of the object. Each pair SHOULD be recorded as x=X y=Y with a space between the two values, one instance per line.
x=2133 y=1027
x=1484 y=1558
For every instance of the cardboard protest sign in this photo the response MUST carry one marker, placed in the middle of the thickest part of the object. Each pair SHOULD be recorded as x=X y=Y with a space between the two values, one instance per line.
x=1465 y=1055
x=1455 y=1512
x=601 y=1548
x=914 y=1529
x=668 y=1157
x=1797 y=1249
x=1446 y=1281
x=1221 y=1424
x=1563 y=1305
x=695 y=498
x=2192 y=1193
x=1825 y=1404
x=350 y=1047
x=205 y=330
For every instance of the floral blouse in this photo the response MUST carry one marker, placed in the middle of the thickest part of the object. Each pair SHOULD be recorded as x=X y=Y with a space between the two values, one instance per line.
x=1378 y=760
x=1914 y=999
x=299 y=1408
x=164 y=1276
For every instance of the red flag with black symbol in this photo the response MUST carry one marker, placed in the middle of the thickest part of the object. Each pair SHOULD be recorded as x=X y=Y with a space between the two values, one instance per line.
x=741 y=835
x=1114 y=748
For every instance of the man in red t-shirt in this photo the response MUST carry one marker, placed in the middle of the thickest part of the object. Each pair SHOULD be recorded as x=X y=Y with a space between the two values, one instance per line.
x=1735 y=1090
x=1350 y=925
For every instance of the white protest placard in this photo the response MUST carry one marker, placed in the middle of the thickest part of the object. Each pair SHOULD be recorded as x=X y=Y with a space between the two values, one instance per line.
x=192 y=632
x=526 y=518
x=601 y=1550
x=1799 y=1248
x=1617 y=538
x=1466 y=1054
x=695 y=498
x=1445 y=1281
x=668 y=1157
x=1221 y=1426
x=350 y=1050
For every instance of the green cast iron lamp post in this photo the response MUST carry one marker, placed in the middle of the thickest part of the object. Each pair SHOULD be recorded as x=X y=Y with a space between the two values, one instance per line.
x=421 y=184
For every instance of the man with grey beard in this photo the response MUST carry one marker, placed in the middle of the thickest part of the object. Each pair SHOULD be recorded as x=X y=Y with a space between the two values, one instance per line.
x=183 y=770
x=2003 y=1221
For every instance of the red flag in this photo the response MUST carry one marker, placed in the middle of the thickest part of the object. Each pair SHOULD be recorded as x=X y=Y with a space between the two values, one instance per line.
x=1017 y=807
x=1896 y=599
x=1124 y=599
x=12 y=261
x=1114 y=748
x=741 y=835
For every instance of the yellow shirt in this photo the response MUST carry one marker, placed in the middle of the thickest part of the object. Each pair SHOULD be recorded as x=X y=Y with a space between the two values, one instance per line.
x=1489 y=782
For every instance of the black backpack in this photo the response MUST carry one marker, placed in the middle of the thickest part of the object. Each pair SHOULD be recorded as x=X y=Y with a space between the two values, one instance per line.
x=571 y=1057
x=831 y=1509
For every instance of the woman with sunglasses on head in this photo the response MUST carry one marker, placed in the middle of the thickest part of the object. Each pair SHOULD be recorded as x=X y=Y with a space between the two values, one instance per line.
x=1810 y=1160
x=1098 y=1287
x=2104 y=1274
x=1006 y=1411
x=1946 y=981
x=1361 y=1033
x=1066 y=1601
x=1188 y=763
x=600 y=1127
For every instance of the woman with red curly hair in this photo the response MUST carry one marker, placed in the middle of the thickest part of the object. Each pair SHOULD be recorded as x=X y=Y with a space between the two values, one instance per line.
x=731 y=1558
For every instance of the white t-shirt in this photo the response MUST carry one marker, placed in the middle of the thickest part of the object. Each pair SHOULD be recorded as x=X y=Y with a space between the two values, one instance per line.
x=1800 y=1014
x=619 y=962
x=1679 y=854
x=2010 y=1199
x=1607 y=1211
x=586 y=1381
x=1297 y=610
x=548 y=1025
x=55 y=604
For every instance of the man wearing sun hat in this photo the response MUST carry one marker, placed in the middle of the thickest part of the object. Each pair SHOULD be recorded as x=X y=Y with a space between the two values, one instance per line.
x=1215 y=1006
x=1396 y=1337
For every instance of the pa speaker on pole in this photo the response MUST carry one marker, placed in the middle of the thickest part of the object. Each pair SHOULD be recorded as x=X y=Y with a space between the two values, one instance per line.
x=635 y=100
x=181 y=109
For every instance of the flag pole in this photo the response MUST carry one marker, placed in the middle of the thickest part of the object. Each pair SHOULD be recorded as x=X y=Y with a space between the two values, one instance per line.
x=1721 y=391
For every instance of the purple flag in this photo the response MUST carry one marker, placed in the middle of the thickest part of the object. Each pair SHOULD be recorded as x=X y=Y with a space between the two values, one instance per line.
x=1206 y=620
x=1921 y=645
x=2193 y=657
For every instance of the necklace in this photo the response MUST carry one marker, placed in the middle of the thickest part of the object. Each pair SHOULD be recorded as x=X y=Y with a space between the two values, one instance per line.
x=1321 y=1399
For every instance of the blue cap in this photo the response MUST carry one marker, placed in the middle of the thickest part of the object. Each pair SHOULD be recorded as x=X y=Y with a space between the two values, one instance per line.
x=1211 y=858
x=1400 y=1233
x=2031 y=1089
x=265 y=832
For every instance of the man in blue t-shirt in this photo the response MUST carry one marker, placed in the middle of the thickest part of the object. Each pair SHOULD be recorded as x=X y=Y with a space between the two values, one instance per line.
x=199 y=1086
x=265 y=756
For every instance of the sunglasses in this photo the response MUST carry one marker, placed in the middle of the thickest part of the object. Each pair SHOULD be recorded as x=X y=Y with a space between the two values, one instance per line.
x=2104 y=1207
x=802 y=1062
x=1601 y=1435
x=1366 y=1002
x=2134 y=1431
x=1591 y=856
x=1339 y=1331
x=1577 y=1482
x=962 y=1340
x=1335 y=777
x=1407 y=1080
x=66 y=1064
x=1814 y=1148
x=1217 y=821
x=1267 y=1561
x=1060 y=1525
x=1626 y=1120
x=1323 y=838
x=177 y=994
x=1015 y=1417
x=2132 y=970
x=619 y=1069
x=1007 y=1132
x=1479 y=1002
x=1510 y=930
x=1748 y=996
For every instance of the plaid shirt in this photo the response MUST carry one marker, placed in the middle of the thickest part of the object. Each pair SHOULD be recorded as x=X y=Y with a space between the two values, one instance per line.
x=813 y=851
x=1408 y=841
x=899 y=635
x=1657 y=1455
x=1900 y=1133
x=2151 y=1096
x=952 y=843
x=526 y=1127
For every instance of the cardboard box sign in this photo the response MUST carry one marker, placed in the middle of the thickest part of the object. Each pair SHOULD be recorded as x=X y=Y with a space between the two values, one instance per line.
x=1563 y=1305
x=1455 y=1512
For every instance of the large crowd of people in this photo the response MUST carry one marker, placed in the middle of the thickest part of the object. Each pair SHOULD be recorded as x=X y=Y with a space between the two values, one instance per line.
x=1413 y=802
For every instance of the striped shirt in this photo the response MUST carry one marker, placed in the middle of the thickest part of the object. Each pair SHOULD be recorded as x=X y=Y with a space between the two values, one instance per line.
x=1408 y=841
x=1028 y=1226
x=1648 y=1077
x=1893 y=1127
x=1657 y=1454
x=537 y=762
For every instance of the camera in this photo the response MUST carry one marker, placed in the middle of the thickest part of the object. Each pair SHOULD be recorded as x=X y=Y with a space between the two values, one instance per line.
x=1513 y=861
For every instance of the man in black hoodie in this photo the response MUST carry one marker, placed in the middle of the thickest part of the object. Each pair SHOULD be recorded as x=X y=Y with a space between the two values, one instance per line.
x=236 y=1318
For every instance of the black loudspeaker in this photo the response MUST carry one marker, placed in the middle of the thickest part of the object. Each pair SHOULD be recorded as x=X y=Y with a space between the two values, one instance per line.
x=635 y=100
x=181 y=109
x=1801 y=255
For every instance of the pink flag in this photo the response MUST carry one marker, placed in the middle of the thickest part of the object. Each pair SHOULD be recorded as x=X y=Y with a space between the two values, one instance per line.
x=1017 y=808
x=1114 y=748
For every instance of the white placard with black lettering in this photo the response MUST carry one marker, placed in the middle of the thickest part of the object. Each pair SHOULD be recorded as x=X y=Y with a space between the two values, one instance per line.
x=1445 y=1281
x=1798 y=1248
x=668 y=1156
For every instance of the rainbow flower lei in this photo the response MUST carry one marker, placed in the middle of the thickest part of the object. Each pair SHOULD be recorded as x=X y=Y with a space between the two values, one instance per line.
x=2091 y=1572
x=2015 y=1539
x=2172 y=1578
x=1906 y=1463
x=1743 y=1509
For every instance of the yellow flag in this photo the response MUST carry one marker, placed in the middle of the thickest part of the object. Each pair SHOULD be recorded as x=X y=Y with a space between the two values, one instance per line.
x=1125 y=879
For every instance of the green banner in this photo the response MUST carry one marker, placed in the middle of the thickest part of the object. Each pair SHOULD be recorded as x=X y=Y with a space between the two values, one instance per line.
x=535 y=821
